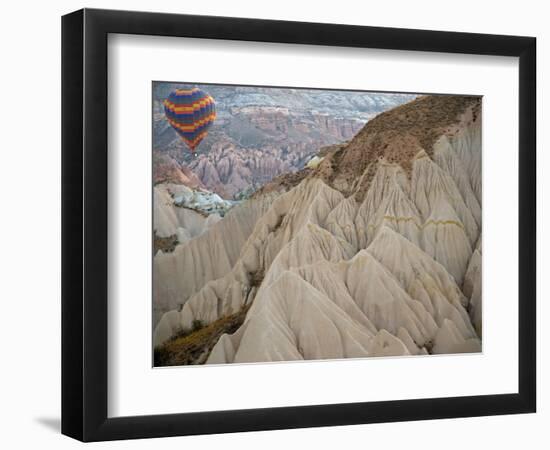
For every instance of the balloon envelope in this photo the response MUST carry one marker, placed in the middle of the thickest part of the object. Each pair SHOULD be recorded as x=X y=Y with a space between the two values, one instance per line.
x=191 y=112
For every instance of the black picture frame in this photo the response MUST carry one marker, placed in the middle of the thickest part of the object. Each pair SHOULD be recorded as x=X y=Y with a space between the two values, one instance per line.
x=84 y=224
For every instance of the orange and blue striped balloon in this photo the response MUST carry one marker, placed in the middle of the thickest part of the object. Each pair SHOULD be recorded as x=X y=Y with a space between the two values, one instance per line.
x=191 y=112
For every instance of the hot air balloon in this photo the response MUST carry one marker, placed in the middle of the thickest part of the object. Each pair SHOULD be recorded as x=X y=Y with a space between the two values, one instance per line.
x=191 y=112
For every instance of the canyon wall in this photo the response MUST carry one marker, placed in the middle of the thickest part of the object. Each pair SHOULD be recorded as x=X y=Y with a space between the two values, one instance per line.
x=260 y=133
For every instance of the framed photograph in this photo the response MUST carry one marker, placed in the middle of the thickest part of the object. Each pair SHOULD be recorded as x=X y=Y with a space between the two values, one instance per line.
x=274 y=225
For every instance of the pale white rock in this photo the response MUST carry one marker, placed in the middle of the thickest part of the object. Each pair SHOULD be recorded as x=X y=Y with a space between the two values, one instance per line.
x=168 y=218
x=167 y=327
x=386 y=177
x=165 y=219
x=374 y=303
x=314 y=162
x=444 y=239
x=429 y=183
x=423 y=278
x=472 y=289
x=478 y=243
x=445 y=156
x=310 y=245
x=383 y=300
x=200 y=200
x=212 y=219
x=386 y=344
x=407 y=340
x=466 y=144
x=182 y=235
x=330 y=279
x=341 y=221
x=224 y=350
x=210 y=256
x=213 y=269
x=307 y=325
x=307 y=204
x=397 y=212
x=450 y=340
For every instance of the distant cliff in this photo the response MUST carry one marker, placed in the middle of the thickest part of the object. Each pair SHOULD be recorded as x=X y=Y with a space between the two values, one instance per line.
x=260 y=133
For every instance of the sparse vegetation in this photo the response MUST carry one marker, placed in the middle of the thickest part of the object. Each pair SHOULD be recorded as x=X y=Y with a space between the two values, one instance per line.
x=194 y=346
x=256 y=278
x=197 y=325
x=166 y=244
x=327 y=150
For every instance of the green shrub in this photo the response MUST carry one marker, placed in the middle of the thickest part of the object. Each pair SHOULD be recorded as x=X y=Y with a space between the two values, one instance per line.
x=197 y=325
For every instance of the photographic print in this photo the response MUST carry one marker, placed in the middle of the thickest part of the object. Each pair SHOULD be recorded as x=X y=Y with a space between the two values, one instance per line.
x=311 y=224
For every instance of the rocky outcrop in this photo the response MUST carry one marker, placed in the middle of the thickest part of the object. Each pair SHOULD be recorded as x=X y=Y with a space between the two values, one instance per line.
x=168 y=170
x=169 y=220
x=383 y=261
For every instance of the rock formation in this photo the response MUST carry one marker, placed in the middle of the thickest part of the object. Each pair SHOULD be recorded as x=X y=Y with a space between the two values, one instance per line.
x=374 y=250
x=167 y=170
